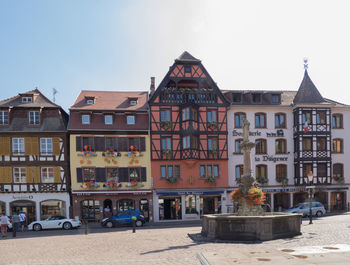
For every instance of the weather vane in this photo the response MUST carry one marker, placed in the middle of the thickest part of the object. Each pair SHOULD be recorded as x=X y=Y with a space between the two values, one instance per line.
x=306 y=64
x=54 y=92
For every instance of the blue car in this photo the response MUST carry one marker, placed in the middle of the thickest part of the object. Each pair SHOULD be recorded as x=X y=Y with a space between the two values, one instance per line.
x=124 y=218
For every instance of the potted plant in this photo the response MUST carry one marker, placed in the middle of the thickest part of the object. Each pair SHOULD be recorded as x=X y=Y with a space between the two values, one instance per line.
x=167 y=125
x=171 y=180
x=213 y=125
x=262 y=180
x=168 y=153
x=254 y=196
x=210 y=179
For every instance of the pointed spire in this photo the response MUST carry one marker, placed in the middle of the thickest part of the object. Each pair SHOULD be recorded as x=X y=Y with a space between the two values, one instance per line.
x=307 y=93
x=186 y=57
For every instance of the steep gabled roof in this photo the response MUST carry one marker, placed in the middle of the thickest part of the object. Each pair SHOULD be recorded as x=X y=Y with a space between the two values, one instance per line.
x=187 y=57
x=308 y=93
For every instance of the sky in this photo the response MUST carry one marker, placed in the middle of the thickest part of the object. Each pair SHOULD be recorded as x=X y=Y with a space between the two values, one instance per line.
x=118 y=45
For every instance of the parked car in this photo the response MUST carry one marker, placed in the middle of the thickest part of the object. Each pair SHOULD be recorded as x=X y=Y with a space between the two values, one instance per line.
x=304 y=208
x=124 y=218
x=54 y=222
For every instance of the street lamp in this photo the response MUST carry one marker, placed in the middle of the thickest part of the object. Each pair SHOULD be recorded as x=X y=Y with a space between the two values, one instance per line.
x=310 y=178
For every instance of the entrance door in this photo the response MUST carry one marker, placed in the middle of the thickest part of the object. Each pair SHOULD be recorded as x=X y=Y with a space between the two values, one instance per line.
x=28 y=207
x=170 y=208
x=208 y=205
x=144 y=208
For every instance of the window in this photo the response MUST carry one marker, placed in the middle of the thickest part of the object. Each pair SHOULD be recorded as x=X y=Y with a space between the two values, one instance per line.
x=239 y=117
x=239 y=171
x=237 y=146
x=281 y=146
x=45 y=146
x=337 y=121
x=165 y=115
x=307 y=144
x=211 y=116
x=307 y=168
x=338 y=172
x=186 y=142
x=206 y=171
x=337 y=146
x=261 y=173
x=169 y=171
x=306 y=117
x=133 y=102
x=134 y=143
x=130 y=119
x=281 y=172
x=108 y=119
x=134 y=174
x=275 y=98
x=112 y=173
x=321 y=143
x=89 y=101
x=260 y=146
x=260 y=120
x=256 y=98
x=280 y=120
x=89 y=174
x=47 y=175
x=27 y=99
x=85 y=119
x=19 y=175
x=125 y=205
x=187 y=69
x=213 y=143
x=166 y=143
x=4 y=117
x=18 y=146
x=34 y=117
x=111 y=143
x=186 y=114
x=321 y=117
x=88 y=144
x=322 y=170
x=236 y=97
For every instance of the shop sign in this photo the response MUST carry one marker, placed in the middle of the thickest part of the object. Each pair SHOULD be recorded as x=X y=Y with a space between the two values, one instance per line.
x=237 y=133
x=22 y=197
x=272 y=158
x=190 y=192
x=278 y=133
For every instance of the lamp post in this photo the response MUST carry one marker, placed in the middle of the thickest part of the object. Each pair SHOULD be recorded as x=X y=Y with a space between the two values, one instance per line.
x=310 y=178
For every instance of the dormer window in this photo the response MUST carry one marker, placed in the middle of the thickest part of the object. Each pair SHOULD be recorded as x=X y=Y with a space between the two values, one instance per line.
x=132 y=101
x=90 y=101
x=256 y=98
x=34 y=117
x=236 y=97
x=275 y=98
x=4 y=117
x=27 y=99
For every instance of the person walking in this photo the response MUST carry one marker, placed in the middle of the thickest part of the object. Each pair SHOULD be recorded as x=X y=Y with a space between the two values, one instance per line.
x=15 y=223
x=22 y=218
x=3 y=222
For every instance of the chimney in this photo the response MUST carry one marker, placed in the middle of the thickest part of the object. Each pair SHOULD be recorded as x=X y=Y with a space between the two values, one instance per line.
x=152 y=87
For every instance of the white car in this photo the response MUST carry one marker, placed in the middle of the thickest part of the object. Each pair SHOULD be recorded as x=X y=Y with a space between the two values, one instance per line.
x=54 y=222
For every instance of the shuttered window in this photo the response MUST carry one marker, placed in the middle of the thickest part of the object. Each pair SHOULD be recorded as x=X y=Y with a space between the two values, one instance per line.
x=46 y=146
x=19 y=175
x=47 y=175
x=18 y=146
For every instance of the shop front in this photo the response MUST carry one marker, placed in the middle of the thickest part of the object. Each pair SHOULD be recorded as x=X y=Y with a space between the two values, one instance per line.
x=96 y=205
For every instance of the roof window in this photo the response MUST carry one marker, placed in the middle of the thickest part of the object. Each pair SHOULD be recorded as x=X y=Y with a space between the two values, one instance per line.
x=27 y=99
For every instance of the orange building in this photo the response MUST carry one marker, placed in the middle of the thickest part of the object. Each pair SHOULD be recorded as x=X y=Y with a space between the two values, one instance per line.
x=188 y=123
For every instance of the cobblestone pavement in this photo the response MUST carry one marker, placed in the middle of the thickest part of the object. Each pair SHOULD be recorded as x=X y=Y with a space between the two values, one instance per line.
x=164 y=245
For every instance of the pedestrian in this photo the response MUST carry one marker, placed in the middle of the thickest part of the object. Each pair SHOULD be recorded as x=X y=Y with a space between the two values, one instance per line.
x=15 y=223
x=3 y=222
x=22 y=218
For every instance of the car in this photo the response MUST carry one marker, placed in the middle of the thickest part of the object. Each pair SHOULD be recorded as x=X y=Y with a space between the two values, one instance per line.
x=54 y=222
x=124 y=218
x=304 y=208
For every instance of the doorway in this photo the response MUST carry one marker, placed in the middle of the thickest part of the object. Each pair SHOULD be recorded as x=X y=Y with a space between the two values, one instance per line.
x=281 y=201
x=28 y=208
x=144 y=208
x=107 y=208
x=170 y=208
x=210 y=204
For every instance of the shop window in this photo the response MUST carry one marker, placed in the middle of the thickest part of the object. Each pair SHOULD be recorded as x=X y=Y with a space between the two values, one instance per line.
x=111 y=143
x=307 y=144
x=169 y=208
x=238 y=149
x=280 y=120
x=281 y=146
x=46 y=146
x=88 y=143
x=47 y=175
x=126 y=205
x=337 y=121
x=321 y=143
x=88 y=174
x=19 y=175
x=260 y=146
x=18 y=146
x=239 y=118
x=260 y=120
x=52 y=208
x=190 y=202
x=34 y=117
x=4 y=117
x=337 y=146
x=239 y=172
x=90 y=209
x=321 y=117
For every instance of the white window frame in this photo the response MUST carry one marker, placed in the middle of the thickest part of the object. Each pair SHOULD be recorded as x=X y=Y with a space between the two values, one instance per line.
x=46 y=146
x=18 y=147
x=107 y=122
x=47 y=175
x=130 y=119
x=133 y=102
x=90 y=101
x=2 y=117
x=27 y=99
x=85 y=121
x=21 y=175
x=34 y=117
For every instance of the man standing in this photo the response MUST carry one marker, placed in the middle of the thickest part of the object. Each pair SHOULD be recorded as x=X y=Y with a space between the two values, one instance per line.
x=15 y=223
x=3 y=222
x=22 y=218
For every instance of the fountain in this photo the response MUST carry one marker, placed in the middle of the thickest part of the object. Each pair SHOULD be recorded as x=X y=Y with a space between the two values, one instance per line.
x=250 y=223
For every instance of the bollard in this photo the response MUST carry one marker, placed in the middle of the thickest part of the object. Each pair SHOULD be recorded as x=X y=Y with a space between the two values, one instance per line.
x=14 y=228
x=133 y=223
x=86 y=226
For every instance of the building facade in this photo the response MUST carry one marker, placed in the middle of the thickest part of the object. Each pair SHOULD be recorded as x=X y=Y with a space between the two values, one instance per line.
x=109 y=154
x=34 y=171
x=297 y=133
x=188 y=127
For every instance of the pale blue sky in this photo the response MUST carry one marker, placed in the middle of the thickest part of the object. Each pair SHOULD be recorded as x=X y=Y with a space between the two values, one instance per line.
x=119 y=45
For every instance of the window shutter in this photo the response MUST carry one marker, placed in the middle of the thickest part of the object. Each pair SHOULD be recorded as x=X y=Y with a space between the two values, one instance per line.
x=56 y=146
x=6 y=175
x=79 y=175
x=57 y=174
x=123 y=144
x=35 y=146
x=5 y=146
x=100 y=144
x=143 y=174
x=100 y=174
x=142 y=144
x=29 y=175
x=123 y=174
x=33 y=174
x=78 y=146
x=28 y=145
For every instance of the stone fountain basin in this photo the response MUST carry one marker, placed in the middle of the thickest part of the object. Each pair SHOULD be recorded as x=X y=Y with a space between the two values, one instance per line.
x=251 y=228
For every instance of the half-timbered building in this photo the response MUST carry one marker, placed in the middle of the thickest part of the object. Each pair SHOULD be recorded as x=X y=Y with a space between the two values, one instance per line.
x=188 y=127
x=109 y=154
x=34 y=175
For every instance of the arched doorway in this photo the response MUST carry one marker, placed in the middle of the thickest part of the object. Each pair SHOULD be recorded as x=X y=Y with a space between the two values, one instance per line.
x=28 y=207
x=107 y=208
